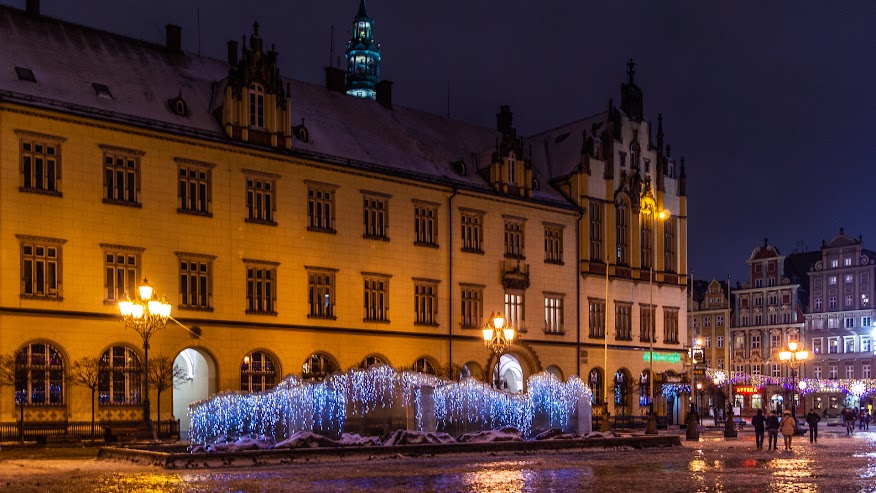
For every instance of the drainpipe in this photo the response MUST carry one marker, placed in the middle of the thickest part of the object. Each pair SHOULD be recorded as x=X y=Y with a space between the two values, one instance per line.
x=450 y=282
x=578 y=290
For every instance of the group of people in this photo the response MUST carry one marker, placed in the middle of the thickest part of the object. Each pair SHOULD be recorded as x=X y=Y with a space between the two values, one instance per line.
x=787 y=425
x=850 y=415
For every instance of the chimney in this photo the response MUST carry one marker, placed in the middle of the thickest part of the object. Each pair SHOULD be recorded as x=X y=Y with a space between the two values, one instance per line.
x=33 y=8
x=384 y=93
x=173 y=37
x=336 y=79
x=232 y=53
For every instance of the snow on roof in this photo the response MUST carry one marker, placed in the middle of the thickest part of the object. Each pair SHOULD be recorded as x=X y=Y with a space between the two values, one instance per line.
x=67 y=61
x=556 y=153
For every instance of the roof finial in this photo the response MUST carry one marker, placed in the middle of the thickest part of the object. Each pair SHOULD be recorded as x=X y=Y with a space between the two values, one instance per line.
x=631 y=69
x=765 y=242
x=255 y=28
x=842 y=230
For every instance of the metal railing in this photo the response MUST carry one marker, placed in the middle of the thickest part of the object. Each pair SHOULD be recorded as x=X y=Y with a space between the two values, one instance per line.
x=40 y=430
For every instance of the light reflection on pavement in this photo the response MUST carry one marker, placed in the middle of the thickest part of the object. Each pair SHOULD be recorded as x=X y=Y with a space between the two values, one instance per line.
x=836 y=463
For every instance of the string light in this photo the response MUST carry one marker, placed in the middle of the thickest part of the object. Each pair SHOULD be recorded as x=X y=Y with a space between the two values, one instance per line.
x=295 y=405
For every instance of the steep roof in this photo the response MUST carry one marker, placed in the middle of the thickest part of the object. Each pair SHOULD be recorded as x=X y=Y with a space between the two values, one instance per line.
x=68 y=59
x=556 y=153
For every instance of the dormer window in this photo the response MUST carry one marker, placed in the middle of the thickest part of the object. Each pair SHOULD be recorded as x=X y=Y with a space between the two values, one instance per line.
x=301 y=133
x=511 y=169
x=364 y=29
x=256 y=105
x=178 y=106
x=102 y=90
x=25 y=74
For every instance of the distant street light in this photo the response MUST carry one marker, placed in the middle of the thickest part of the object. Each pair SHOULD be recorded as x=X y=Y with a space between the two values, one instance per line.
x=794 y=357
x=498 y=337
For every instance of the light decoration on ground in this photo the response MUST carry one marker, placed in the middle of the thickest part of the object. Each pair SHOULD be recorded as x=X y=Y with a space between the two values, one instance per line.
x=322 y=407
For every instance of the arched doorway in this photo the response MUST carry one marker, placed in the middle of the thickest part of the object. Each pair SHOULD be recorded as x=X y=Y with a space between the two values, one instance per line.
x=777 y=403
x=510 y=374
x=595 y=381
x=200 y=383
x=623 y=395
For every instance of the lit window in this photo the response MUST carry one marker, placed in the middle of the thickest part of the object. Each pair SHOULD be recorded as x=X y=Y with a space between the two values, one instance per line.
x=258 y=372
x=553 y=314
x=514 y=310
x=256 y=105
x=39 y=375
x=318 y=366
x=119 y=377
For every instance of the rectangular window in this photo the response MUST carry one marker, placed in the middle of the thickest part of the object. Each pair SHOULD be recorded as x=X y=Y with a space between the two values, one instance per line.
x=321 y=292
x=194 y=194
x=758 y=319
x=786 y=318
x=818 y=304
x=833 y=372
x=40 y=267
x=553 y=313
x=755 y=369
x=646 y=323
x=831 y=302
x=514 y=235
x=40 y=162
x=831 y=280
x=777 y=371
x=707 y=321
x=707 y=342
x=321 y=207
x=553 y=243
x=833 y=323
x=121 y=183
x=865 y=300
x=847 y=262
x=866 y=344
x=720 y=363
x=596 y=232
x=623 y=324
x=775 y=341
x=720 y=341
x=719 y=320
x=849 y=278
x=670 y=325
x=646 y=236
x=669 y=227
x=196 y=281
x=472 y=231
x=375 y=215
x=833 y=345
x=816 y=372
x=425 y=223
x=261 y=288
x=425 y=302
x=865 y=370
x=850 y=300
x=850 y=322
x=472 y=305
x=755 y=341
x=621 y=235
x=816 y=346
x=122 y=272
x=849 y=345
x=260 y=199
x=597 y=319
x=376 y=297
x=514 y=310
x=850 y=371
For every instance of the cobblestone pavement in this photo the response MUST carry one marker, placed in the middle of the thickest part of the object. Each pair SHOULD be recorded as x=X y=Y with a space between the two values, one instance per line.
x=836 y=463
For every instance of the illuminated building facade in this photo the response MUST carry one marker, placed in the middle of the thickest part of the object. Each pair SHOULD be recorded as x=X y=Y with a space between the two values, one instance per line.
x=709 y=319
x=291 y=242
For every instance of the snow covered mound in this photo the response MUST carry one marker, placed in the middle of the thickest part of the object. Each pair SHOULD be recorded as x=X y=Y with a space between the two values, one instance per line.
x=411 y=437
x=556 y=434
x=598 y=434
x=306 y=439
x=356 y=440
x=505 y=434
x=224 y=444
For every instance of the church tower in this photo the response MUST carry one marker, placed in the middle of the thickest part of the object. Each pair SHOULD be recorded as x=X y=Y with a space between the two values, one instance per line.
x=363 y=57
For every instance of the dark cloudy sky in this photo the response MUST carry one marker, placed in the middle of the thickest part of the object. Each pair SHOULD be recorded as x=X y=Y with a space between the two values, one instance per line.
x=772 y=103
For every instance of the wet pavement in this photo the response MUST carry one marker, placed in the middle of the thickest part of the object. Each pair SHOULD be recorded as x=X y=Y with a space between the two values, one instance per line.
x=836 y=463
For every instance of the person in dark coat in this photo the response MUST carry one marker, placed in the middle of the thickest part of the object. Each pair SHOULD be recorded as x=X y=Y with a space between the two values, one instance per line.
x=772 y=426
x=759 y=424
x=812 y=420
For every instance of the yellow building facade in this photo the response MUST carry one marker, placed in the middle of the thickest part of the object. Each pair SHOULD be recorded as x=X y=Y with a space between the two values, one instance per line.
x=296 y=230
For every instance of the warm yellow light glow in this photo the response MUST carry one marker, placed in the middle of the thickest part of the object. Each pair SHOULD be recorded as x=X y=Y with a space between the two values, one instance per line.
x=126 y=308
x=792 y=345
x=699 y=385
x=801 y=355
x=154 y=307
x=509 y=334
x=488 y=334
x=145 y=290
x=699 y=341
x=785 y=355
x=137 y=311
x=246 y=359
x=498 y=321
x=664 y=214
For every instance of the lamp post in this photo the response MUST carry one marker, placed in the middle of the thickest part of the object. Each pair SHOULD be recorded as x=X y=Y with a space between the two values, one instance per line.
x=146 y=315
x=498 y=337
x=793 y=357
x=695 y=353
x=720 y=379
x=651 y=428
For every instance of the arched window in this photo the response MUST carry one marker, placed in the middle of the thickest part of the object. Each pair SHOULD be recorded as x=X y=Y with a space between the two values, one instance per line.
x=256 y=105
x=647 y=239
x=423 y=365
x=39 y=375
x=119 y=377
x=258 y=372
x=622 y=397
x=645 y=388
x=595 y=380
x=512 y=172
x=622 y=234
x=318 y=366
x=369 y=361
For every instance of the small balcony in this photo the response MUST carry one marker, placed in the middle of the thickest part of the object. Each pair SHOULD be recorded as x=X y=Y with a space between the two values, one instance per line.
x=515 y=274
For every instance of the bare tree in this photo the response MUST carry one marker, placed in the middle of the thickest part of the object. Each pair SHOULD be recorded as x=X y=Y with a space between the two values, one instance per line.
x=86 y=372
x=8 y=372
x=164 y=374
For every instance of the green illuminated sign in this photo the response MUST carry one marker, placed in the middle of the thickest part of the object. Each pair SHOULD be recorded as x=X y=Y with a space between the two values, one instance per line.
x=664 y=357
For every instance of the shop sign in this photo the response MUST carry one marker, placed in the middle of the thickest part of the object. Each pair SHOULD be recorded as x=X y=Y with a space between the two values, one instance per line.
x=662 y=357
x=746 y=390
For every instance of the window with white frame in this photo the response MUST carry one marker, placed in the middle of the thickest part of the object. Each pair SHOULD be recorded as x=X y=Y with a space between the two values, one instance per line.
x=865 y=300
x=707 y=321
x=831 y=281
x=720 y=341
x=847 y=261
x=121 y=271
x=41 y=267
x=832 y=323
x=865 y=370
x=514 y=309
x=777 y=371
x=850 y=322
x=866 y=322
x=850 y=300
x=831 y=302
x=850 y=371
x=553 y=313
x=775 y=340
x=832 y=372
x=707 y=341
x=849 y=344
x=818 y=303
x=720 y=362
x=833 y=345
x=719 y=320
x=816 y=372
x=866 y=344
x=755 y=369
x=755 y=341
x=816 y=346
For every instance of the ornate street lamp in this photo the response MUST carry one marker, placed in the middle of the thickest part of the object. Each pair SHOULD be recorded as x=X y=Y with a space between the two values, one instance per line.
x=498 y=337
x=793 y=357
x=146 y=315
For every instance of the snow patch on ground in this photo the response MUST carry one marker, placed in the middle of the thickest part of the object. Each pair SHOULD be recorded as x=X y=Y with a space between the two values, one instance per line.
x=504 y=434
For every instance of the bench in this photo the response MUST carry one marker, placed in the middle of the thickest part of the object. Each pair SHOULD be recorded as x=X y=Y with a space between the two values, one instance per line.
x=119 y=433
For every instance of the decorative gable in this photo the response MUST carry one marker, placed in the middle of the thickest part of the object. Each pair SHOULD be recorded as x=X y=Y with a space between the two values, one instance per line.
x=510 y=172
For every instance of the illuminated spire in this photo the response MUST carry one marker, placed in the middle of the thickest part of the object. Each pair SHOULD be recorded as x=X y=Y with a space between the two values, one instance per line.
x=363 y=57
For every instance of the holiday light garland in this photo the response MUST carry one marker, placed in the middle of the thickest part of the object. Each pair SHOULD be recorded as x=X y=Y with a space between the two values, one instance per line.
x=295 y=405
x=856 y=387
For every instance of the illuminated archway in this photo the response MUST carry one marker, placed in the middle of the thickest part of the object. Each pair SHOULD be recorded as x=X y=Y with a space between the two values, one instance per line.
x=200 y=383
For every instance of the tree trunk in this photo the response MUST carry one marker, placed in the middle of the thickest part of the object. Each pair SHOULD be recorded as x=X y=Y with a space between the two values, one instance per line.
x=21 y=422
x=92 y=414
x=158 y=412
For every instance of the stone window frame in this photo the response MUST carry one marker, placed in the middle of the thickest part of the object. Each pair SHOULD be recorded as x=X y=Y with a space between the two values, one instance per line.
x=29 y=144
x=119 y=159
x=191 y=172
x=52 y=260
x=256 y=197
x=261 y=287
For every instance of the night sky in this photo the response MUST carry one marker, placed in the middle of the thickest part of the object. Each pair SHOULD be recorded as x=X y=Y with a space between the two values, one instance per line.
x=771 y=103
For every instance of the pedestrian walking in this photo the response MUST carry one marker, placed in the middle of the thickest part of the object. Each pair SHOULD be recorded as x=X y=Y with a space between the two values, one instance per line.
x=812 y=420
x=772 y=427
x=788 y=425
x=849 y=419
x=867 y=419
x=759 y=424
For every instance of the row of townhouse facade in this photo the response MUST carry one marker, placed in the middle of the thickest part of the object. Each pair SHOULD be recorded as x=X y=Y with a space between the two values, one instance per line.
x=367 y=234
